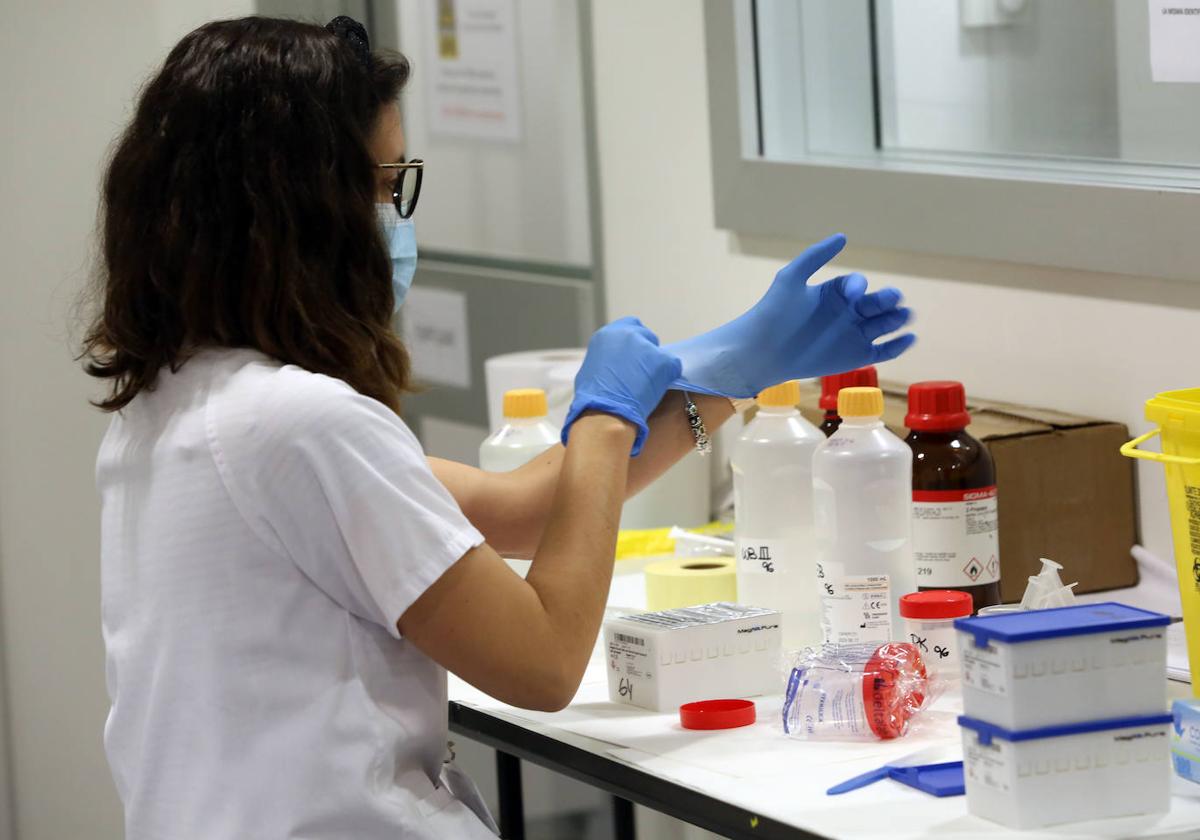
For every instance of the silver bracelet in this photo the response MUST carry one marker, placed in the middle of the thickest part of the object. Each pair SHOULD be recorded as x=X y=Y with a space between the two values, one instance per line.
x=696 y=424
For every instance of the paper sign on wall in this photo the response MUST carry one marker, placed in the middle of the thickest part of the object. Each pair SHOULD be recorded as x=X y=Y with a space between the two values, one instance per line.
x=1175 y=40
x=472 y=68
x=434 y=324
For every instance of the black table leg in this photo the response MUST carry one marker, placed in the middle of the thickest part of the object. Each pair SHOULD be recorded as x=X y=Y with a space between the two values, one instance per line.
x=623 y=827
x=512 y=806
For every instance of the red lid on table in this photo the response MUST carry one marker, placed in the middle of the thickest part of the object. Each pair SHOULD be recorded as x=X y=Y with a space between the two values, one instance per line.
x=717 y=714
x=894 y=685
x=937 y=407
x=864 y=377
x=937 y=603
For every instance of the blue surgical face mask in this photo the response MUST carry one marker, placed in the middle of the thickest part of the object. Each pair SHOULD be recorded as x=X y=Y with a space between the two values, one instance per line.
x=401 y=241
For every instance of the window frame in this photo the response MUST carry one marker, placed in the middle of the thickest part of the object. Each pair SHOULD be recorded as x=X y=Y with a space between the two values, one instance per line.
x=936 y=209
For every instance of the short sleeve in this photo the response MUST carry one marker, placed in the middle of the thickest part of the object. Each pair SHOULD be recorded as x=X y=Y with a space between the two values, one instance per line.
x=339 y=484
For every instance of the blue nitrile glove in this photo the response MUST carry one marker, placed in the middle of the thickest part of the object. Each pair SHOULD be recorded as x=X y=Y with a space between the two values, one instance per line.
x=624 y=373
x=796 y=331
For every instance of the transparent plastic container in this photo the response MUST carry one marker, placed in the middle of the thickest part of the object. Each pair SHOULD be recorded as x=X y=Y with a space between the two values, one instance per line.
x=862 y=504
x=772 y=488
x=855 y=692
x=526 y=432
x=929 y=616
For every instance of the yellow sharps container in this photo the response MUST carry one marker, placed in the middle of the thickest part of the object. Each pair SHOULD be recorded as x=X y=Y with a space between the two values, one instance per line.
x=1177 y=414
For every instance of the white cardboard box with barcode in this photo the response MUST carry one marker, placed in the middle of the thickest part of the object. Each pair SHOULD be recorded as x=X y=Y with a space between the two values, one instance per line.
x=662 y=660
x=1040 y=668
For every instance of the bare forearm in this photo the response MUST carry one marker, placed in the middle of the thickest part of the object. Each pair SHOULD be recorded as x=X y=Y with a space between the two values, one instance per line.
x=671 y=437
x=529 y=640
x=572 y=567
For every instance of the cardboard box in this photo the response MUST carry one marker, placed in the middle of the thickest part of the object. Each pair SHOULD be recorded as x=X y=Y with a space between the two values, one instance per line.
x=1065 y=491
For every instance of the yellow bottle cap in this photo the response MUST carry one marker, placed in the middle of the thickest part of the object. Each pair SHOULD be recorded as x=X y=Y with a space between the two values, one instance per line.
x=783 y=395
x=860 y=402
x=525 y=402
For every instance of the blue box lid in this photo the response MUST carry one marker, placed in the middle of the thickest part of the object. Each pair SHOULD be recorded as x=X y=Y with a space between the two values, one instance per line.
x=1084 y=619
x=988 y=731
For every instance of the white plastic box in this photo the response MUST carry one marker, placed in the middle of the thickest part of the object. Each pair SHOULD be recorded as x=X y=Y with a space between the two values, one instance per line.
x=662 y=660
x=1048 y=667
x=1083 y=771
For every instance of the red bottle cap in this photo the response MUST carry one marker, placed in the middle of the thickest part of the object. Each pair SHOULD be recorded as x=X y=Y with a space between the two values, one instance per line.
x=937 y=407
x=717 y=714
x=894 y=685
x=864 y=377
x=937 y=603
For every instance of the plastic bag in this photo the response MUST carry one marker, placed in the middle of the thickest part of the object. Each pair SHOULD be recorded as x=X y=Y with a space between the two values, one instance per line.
x=855 y=692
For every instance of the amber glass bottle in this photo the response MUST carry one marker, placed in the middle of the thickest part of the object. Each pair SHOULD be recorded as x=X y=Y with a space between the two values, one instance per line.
x=955 y=538
x=830 y=387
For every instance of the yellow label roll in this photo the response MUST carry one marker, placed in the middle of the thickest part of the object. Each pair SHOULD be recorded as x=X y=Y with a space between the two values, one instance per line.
x=687 y=581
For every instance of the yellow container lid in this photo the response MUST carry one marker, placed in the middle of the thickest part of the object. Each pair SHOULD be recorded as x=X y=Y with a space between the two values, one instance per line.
x=1175 y=409
x=783 y=395
x=525 y=402
x=860 y=402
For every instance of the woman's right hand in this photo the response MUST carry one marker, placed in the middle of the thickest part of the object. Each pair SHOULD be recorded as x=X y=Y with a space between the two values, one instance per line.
x=625 y=373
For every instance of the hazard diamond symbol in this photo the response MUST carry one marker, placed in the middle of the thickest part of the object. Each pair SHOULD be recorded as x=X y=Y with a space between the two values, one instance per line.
x=973 y=569
x=993 y=567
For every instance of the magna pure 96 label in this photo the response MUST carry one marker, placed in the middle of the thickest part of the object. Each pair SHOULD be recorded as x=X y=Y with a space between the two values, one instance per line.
x=954 y=537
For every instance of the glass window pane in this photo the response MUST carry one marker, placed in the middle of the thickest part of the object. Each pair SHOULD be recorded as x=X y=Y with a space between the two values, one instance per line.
x=1055 y=86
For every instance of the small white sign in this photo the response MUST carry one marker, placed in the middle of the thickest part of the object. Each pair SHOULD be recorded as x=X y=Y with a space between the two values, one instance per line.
x=1175 y=40
x=434 y=325
x=472 y=68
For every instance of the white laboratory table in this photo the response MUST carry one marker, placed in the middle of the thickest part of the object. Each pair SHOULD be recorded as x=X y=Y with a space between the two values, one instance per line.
x=754 y=782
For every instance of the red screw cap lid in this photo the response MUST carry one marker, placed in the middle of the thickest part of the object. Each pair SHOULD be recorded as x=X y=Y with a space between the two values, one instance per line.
x=937 y=603
x=864 y=377
x=717 y=714
x=937 y=407
x=894 y=685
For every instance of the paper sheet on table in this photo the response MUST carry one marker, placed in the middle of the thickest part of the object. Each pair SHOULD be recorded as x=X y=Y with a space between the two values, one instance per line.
x=760 y=750
x=757 y=751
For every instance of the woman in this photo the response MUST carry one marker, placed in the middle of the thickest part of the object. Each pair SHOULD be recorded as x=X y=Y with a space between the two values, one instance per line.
x=286 y=577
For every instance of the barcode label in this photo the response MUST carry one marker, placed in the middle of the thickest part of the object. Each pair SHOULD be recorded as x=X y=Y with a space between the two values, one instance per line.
x=633 y=640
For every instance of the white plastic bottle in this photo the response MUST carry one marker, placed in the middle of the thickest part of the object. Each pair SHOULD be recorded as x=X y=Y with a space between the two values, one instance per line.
x=772 y=491
x=526 y=432
x=862 y=506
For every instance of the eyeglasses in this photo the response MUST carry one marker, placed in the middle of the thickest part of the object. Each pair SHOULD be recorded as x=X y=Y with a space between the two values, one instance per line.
x=407 y=188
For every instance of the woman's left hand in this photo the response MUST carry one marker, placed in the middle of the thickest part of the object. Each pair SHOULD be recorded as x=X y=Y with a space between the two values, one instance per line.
x=796 y=331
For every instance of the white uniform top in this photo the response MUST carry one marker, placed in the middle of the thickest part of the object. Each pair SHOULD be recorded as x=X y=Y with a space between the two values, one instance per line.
x=263 y=529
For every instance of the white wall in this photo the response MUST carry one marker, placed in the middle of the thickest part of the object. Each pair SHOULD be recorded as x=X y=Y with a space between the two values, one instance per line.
x=1055 y=338
x=70 y=70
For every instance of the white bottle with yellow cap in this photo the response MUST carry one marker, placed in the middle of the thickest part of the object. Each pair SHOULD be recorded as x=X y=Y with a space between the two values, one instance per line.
x=862 y=503
x=525 y=434
x=772 y=492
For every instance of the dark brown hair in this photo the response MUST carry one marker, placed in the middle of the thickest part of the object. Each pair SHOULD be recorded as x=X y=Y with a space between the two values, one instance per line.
x=238 y=210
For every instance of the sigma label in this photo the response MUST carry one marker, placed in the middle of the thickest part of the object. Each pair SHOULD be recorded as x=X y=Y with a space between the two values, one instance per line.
x=954 y=537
